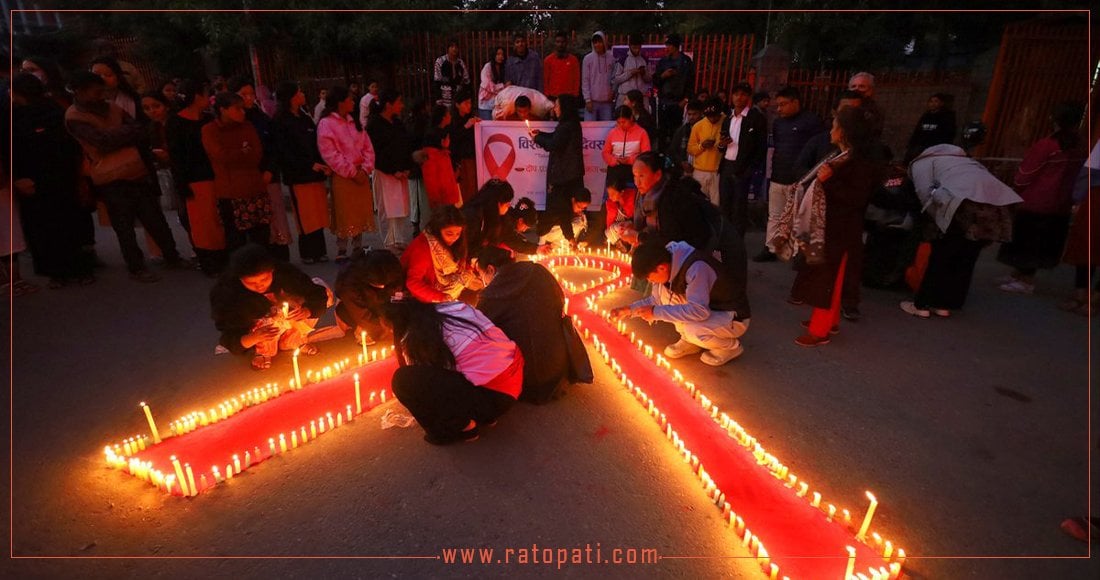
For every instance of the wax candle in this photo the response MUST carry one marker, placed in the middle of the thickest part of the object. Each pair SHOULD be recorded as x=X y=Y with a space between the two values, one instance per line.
x=236 y=463
x=282 y=443
x=901 y=557
x=217 y=474
x=313 y=429
x=817 y=500
x=228 y=472
x=297 y=371
x=348 y=410
x=179 y=474
x=358 y=399
x=887 y=550
x=286 y=310
x=832 y=512
x=192 y=490
x=152 y=424
x=248 y=458
x=329 y=417
x=861 y=536
x=271 y=443
x=895 y=569
x=293 y=439
x=851 y=562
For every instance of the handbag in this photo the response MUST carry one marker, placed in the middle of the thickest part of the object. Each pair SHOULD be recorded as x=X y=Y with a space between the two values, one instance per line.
x=580 y=368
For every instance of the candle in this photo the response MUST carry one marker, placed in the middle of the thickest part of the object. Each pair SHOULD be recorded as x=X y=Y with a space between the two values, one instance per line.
x=286 y=310
x=179 y=474
x=349 y=412
x=202 y=481
x=867 y=518
x=901 y=557
x=236 y=464
x=297 y=371
x=358 y=399
x=363 y=341
x=895 y=569
x=817 y=500
x=192 y=490
x=329 y=416
x=832 y=512
x=271 y=442
x=313 y=429
x=851 y=562
x=228 y=472
x=152 y=424
x=293 y=439
x=282 y=443
x=774 y=572
x=383 y=395
x=217 y=474
x=888 y=550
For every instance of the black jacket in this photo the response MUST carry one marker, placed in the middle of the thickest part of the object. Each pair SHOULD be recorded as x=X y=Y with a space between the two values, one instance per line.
x=262 y=123
x=236 y=309
x=295 y=143
x=525 y=301
x=186 y=153
x=752 y=142
x=393 y=145
x=566 y=147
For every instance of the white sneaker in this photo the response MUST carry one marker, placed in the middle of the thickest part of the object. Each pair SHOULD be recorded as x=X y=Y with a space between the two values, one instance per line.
x=681 y=348
x=1017 y=287
x=717 y=357
x=910 y=308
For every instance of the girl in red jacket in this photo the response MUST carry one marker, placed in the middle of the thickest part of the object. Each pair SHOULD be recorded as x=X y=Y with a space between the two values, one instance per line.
x=436 y=264
x=440 y=180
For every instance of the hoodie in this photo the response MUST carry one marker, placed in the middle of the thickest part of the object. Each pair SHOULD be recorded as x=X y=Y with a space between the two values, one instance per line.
x=625 y=79
x=596 y=71
x=693 y=306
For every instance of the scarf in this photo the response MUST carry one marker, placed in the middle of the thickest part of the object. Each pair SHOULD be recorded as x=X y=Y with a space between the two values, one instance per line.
x=801 y=227
x=450 y=277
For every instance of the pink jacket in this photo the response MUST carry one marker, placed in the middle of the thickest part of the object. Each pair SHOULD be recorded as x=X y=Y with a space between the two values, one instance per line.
x=344 y=148
x=626 y=144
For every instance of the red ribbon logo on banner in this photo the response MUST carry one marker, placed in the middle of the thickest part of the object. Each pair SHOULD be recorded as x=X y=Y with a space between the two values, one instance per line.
x=502 y=170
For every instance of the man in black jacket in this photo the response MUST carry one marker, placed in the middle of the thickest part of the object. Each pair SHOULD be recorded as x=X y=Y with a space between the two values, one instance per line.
x=745 y=139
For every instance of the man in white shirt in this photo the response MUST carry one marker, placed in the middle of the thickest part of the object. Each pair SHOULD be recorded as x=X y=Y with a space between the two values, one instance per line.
x=745 y=138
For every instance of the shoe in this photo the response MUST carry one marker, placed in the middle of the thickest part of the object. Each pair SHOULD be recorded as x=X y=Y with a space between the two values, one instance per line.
x=341 y=258
x=810 y=340
x=795 y=301
x=179 y=264
x=1017 y=287
x=909 y=307
x=468 y=435
x=941 y=312
x=681 y=348
x=852 y=313
x=322 y=259
x=144 y=276
x=834 y=330
x=717 y=357
x=765 y=255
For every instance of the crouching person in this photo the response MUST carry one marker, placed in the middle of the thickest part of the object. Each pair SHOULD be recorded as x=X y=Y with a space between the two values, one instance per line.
x=457 y=372
x=692 y=291
x=364 y=288
x=262 y=305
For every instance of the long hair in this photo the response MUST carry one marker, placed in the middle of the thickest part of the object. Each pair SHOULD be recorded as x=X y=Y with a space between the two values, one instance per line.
x=1067 y=116
x=448 y=216
x=188 y=89
x=284 y=93
x=55 y=80
x=569 y=106
x=124 y=85
x=497 y=70
x=858 y=129
x=418 y=333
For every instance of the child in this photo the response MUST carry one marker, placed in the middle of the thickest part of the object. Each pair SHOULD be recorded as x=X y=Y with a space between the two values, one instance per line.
x=364 y=287
x=582 y=198
x=457 y=371
x=693 y=292
x=621 y=196
x=440 y=180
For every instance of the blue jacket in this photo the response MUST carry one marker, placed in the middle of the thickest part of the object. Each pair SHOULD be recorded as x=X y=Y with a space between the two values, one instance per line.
x=790 y=135
x=525 y=72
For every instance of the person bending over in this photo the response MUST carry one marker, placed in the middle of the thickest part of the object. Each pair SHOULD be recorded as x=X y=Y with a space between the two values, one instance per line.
x=364 y=288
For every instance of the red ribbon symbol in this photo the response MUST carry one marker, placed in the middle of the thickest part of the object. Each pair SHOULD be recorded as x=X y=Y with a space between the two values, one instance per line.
x=502 y=170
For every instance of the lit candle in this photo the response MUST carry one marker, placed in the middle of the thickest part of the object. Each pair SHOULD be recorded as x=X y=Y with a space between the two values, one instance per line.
x=286 y=310
x=851 y=562
x=775 y=572
x=861 y=536
x=179 y=474
x=888 y=550
x=248 y=457
x=817 y=500
x=349 y=412
x=330 y=425
x=358 y=399
x=271 y=442
x=152 y=424
x=228 y=472
x=297 y=371
x=363 y=341
x=832 y=512
x=293 y=439
x=901 y=557
x=282 y=443
x=383 y=395
x=304 y=439
x=313 y=429
x=192 y=490
x=217 y=474
x=895 y=569
x=202 y=481
x=236 y=463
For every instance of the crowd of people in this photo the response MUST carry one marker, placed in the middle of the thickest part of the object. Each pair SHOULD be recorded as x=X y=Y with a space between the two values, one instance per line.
x=467 y=320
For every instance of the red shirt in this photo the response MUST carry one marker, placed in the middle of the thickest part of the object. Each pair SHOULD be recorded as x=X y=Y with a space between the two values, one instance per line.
x=561 y=76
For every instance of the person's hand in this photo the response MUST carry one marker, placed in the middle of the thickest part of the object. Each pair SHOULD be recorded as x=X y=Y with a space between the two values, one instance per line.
x=725 y=141
x=545 y=249
x=472 y=121
x=267 y=177
x=360 y=177
x=621 y=313
x=533 y=133
x=588 y=106
x=824 y=173
x=645 y=313
x=297 y=312
x=630 y=236
x=261 y=334
x=24 y=186
x=708 y=144
x=639 y=71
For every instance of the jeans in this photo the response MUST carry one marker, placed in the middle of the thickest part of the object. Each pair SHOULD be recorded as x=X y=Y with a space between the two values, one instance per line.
x=130 y=201
x=601 y=111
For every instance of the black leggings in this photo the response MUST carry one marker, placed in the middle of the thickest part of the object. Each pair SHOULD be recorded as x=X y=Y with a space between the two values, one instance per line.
x=444 y=401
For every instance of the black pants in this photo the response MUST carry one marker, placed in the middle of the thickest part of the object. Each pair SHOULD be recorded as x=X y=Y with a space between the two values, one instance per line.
x=946 y=282
x=733 y=197
x=669 y=118
x=312 y=246
x=444 y=401
x=559 y=207
x=132 y=201
x=235 y=238
x=853 y=278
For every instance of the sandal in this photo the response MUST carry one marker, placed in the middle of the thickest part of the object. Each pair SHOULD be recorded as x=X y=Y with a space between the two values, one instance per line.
x=23 y=287
x=1081 y=528
x=308 y=349
x=261 y=362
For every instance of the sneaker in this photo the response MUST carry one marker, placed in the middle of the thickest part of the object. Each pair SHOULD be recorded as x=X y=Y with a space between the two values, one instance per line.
x=810 y=340
x=941 y=312
x=853 y=314
x=681 y=348
x=144 y=276
x=765 y=255
x=1017 y=287
x=909 y=307
x=834 y=330
x=717 y=357
x=467 y=436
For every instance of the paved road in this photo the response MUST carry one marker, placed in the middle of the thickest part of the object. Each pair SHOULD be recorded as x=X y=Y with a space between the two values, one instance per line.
x=973 y=432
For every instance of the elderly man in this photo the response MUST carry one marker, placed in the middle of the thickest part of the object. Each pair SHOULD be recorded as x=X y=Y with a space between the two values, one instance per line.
x=864 y=84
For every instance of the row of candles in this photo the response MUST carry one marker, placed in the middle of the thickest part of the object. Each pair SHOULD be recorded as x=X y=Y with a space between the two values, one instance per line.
x=894 y=559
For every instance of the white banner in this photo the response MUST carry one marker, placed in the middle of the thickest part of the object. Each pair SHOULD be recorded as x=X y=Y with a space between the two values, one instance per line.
x=505 y=150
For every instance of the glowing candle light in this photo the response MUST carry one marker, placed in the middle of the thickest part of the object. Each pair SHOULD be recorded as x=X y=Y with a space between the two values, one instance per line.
x=248 y=458
x=851 y=562
x=179 y=474
x=895 y=569
x=321 y=422
x=358 y=399
x=304 y=439
x=236 y=463
x=286 y=310
x=774 y=572
x=861 y=536
x=349 y=412
x=282 y=443
x=817 y=500
x=313 y=429
x=168 y=481
x=888 y=550
x=363 y=342
x=271 y=442
x=141 y=443
x=832 y=512
x=293 y=439
x=329 y=417
x=128 y=449
x=297 y=371
x=228 y=472
x=152 y=424
x=217 y=474
x=192 y=490
x=383 y=395
x=901 y=557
